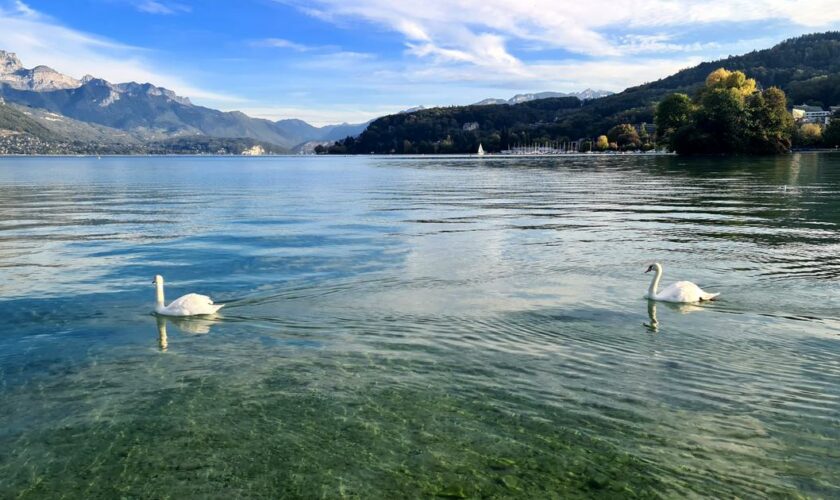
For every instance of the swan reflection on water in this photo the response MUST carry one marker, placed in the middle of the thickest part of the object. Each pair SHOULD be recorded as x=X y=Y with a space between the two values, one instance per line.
x=680 y=308
x=161 y=326
x=189 y=325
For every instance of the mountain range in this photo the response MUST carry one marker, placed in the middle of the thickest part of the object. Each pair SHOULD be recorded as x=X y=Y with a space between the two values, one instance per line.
x=137 y=113
x=520 y=98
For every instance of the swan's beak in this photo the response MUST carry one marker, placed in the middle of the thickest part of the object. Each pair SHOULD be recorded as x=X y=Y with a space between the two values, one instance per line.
x=649 y=270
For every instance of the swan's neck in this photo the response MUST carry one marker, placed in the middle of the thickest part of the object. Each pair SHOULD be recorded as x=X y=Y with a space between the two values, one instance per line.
x=159 y=295
x=654 y=283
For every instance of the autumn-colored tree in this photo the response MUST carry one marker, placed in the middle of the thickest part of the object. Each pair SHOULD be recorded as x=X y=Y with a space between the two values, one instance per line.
x=810 y=134
x=729 y=116
x=603 y=143
x=723 y=79
x=625 y=136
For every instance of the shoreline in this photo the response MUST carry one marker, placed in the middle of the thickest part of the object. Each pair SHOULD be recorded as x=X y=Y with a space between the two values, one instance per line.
x=489 y=156
x=383 y=155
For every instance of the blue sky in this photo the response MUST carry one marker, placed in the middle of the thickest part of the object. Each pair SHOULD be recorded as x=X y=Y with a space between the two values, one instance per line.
x=330 y=61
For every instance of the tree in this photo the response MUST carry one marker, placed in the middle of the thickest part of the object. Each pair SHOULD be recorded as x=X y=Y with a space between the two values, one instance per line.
x=644 y=137
x=729 y=116
x=625 y=136
x=810 y=134
x=831 y=135
x=723 y=79
x=672 y=113
x=769 y=125
x=603 y=143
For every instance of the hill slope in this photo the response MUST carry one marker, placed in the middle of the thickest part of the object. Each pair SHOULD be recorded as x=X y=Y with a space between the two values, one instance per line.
x=13 y=122
x=26 y=131
x=807 y=68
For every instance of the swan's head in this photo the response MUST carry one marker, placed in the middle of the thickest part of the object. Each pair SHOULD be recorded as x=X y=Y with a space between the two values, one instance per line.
x=654 y=267
x=158 y=280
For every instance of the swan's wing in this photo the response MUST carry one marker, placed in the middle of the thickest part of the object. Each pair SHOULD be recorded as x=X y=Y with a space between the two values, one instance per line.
x=695 y=292
x=191 y=299
x=192 y=304
x=681 y=291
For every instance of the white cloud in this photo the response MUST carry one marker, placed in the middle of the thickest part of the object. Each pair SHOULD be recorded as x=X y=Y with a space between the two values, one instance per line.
x=462 y=30
x=38 y=39
x=335 y=114
x=475 y=47
x=567 y=75
x=281 y=43
x=158 y=7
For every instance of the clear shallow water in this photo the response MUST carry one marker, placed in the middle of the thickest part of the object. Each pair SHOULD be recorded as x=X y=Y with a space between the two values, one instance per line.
x=419 y=327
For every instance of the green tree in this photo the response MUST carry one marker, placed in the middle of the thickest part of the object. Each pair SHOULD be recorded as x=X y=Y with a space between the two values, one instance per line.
x=672 y=113
x=625 y=136
x=644 y=137
x=769 y=126
x=721 y=119
x=831 y=135
x=776 y=122
x=729 y=116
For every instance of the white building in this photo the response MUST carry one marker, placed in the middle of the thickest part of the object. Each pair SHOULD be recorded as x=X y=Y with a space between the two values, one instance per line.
x=810 y=114
x=255 y=150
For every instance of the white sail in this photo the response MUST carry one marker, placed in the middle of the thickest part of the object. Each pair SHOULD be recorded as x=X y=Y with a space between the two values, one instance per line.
x=480 y=150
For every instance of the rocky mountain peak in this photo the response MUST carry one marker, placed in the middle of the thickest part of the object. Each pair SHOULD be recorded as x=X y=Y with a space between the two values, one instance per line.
x=134 y=88
x=520 y=98
x=9 y=62
x=39 y=78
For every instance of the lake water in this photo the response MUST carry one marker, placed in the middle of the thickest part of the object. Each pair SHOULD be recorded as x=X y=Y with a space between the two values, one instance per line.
x=412 y=327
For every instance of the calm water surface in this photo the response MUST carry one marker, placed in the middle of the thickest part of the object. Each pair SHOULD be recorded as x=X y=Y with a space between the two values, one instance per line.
x=419 y=327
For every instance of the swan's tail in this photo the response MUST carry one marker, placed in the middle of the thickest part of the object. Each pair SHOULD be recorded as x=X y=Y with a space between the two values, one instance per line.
x=216 y=308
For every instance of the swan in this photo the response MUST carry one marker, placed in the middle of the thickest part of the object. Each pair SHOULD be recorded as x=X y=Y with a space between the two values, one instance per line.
x=191 y=304
x=681 y=291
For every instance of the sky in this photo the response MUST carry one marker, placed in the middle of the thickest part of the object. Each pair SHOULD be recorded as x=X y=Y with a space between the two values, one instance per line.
x=333 y=61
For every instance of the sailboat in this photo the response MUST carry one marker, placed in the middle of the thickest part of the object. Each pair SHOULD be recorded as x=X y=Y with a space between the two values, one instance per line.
x=480 y=150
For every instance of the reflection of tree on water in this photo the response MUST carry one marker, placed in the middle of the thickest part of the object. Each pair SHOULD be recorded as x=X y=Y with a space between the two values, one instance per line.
x=653 y=325
x=194 y=326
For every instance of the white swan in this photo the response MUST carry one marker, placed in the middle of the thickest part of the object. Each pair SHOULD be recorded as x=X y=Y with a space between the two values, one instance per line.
x=191 y=304
x=681 y=291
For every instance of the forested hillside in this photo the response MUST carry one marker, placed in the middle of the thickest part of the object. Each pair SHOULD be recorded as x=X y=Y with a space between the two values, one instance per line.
x=807 y=68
